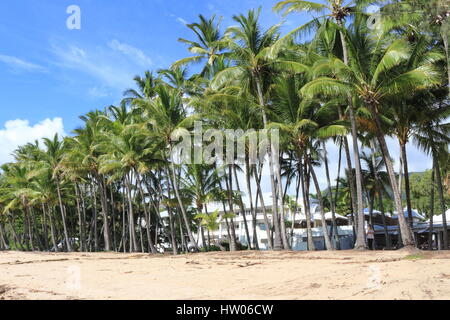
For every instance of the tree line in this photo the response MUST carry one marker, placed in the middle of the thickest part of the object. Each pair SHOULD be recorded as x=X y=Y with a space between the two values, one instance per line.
x=340 y=78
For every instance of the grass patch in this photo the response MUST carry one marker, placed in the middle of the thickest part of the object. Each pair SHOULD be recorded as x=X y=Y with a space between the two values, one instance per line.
x=416 y=256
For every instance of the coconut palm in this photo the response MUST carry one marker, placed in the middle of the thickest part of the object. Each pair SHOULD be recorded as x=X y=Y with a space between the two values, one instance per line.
x=339 y=11
x=433 y=138
x=374 y=83
x=167 y=115
x=249 y=46
x=208 y=46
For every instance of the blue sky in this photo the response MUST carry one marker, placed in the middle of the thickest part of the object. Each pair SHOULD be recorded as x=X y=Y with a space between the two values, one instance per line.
x=50 y=71
x=50 y=75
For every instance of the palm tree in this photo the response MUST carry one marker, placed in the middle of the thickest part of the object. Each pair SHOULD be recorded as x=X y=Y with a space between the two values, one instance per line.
x=374 y=86
x=83 y=149
x=433 y=138
x=338 y=10
x=167 y=114
x=408 y=113
x=249 y=47
x=146 y=89
x=375 y=182
x=55 y=149
x=200 y=185
x=208 y=46
x=211 y=222
x=304 y=121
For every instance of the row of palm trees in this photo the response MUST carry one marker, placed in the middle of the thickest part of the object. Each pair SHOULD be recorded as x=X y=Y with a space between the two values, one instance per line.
x=347 y=84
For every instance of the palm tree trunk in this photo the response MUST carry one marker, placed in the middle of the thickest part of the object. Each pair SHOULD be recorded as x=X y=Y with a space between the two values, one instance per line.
x=146 y=214
x=183 y=240
x=124 y=220
x=406 y=233
x=383 y=217
x=83 y=210
x=282 y=215
x=351 y=184
x=305 y=193
x=230 y=226
x=328 y=243
x=250 y=197
x=45 y=227
x=207 y=230
x=104 y=204
x=181 y=205
x=233 y=243
x=259 y=195
x=380 y=196
x=407 y=185
x=441 y=201
x=360 y=238
x=94 y=219
x=3 y=244
x=242 y=206
x=277 y=245
x=17 y=242
x=171 y=217
x=63 y=216
x=330 y=195
x=201 y=234
x=80 y=219
x=297 y=194
x=52 y=228
x=113 y=217
x=371 y=207
x=430 y=234
x=131 y=226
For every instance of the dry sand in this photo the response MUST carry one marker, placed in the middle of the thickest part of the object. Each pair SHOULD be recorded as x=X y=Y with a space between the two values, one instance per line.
x=242 y=275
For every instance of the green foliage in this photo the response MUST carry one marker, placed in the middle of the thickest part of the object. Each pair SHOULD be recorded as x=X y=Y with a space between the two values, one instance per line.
x=421 y=193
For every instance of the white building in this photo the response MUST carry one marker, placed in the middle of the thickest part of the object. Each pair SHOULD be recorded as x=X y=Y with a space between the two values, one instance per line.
x=299 y=239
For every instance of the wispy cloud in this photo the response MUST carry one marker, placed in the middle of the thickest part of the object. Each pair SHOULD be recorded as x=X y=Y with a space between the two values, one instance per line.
x=111 y=72
x=181 y=20
x=134 y=53
x=98 y=92
x=19 y=64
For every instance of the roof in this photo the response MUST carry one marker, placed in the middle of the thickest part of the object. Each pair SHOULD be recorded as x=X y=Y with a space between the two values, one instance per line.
x=414 y=212
x=328 y=216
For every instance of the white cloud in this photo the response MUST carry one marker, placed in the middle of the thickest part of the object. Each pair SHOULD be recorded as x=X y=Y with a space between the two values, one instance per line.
x=134 y=53
x=19 y=64
x=19 y=132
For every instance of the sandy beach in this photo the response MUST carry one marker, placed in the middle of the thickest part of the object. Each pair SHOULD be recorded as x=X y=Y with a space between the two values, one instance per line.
x=242 y=275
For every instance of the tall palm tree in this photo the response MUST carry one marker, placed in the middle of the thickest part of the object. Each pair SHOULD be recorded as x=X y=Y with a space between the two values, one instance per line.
x=374 y=84
x=167 y=114
x=200 y=184
x=339 y=11
x=208 y=46
x=55 y=149
x=249 y=46
x=433 y=138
